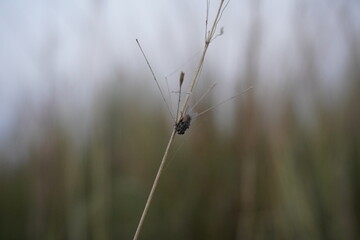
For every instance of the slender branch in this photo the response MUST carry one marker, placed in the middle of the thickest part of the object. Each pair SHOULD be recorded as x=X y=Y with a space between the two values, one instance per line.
x=216 y=21
x=162 y=164
x=196 y=76
x=207 y=18
x=184 y=107
x=201 y=62
x=226 y=4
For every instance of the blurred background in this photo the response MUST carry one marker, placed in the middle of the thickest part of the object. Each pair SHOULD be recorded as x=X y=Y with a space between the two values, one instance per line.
x=83 y=126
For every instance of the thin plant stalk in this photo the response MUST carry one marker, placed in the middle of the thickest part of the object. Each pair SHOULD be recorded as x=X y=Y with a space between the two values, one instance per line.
x=208 y=38
x=153 y=188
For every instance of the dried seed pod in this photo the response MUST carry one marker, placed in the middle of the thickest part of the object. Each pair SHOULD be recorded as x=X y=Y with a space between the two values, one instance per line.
x=182 y=75
x=183 y=124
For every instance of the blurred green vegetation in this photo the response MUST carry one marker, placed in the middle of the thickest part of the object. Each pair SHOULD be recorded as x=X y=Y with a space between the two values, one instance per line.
x=278 y=180
x=278 y=176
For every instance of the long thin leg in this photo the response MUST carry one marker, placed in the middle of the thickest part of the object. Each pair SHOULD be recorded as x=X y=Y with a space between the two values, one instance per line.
x=223 y=102
x=157 y=83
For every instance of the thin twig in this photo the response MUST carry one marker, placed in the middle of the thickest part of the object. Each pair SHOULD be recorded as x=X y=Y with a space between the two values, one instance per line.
x=207 y=18
x=184 y=107
x=201 y=62
x=151 y=194
x=221 y=14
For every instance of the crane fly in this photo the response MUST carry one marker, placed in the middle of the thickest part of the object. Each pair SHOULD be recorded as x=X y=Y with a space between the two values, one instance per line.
x=183 y=121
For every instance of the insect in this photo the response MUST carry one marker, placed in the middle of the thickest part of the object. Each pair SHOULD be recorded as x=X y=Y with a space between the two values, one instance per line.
x=183 y=122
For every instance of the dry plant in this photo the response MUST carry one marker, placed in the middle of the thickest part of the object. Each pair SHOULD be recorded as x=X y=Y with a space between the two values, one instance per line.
x=182 y=121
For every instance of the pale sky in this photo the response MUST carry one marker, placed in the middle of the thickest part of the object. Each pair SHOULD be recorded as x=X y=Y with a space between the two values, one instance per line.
x=74 y=47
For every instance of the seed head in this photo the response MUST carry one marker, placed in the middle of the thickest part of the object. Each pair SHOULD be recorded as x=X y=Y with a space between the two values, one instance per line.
x=182 y=74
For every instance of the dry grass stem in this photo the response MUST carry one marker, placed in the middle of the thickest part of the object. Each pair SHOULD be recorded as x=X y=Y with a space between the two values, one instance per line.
x=153 y=188
x=208 y=38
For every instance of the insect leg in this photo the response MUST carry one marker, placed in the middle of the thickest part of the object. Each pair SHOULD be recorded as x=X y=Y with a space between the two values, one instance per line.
x=223 y=102
x=203 y=96
x=157 y=83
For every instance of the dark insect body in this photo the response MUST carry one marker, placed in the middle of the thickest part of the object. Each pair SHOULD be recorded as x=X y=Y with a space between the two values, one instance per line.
x=183 y=124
